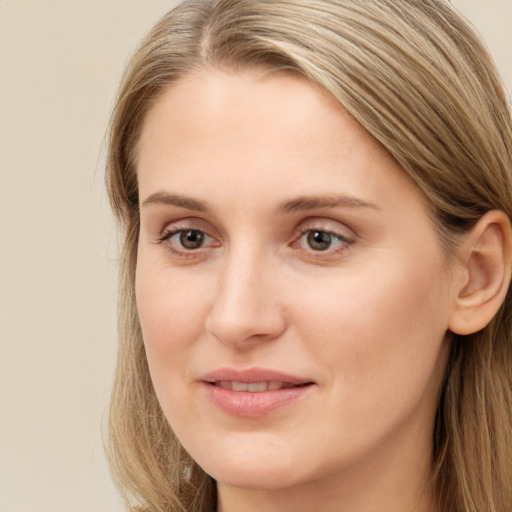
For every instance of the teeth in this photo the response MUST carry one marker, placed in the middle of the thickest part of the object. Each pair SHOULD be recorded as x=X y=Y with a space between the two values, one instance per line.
x=239 y=386
x=253 y=387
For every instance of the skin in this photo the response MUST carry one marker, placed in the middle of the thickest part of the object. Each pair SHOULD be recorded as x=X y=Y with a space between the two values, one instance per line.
x=365 y=320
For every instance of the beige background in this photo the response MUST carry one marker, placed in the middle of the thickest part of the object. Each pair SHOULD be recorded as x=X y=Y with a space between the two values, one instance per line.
x=60 y=62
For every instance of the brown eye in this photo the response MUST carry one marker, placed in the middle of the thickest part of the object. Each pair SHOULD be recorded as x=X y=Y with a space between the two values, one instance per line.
x=319 y=240
x=191 y=239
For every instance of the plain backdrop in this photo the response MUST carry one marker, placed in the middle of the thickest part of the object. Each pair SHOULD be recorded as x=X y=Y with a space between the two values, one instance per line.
x=60 y=64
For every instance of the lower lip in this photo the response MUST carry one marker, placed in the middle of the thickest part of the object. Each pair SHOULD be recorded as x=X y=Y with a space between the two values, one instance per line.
x=254 y=404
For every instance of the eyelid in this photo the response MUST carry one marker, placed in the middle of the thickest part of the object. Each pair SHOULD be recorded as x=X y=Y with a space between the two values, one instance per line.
x=177 y=251
x=173 y=228
x=331 y=226
x=342 y=238
x=345 y=236
x=183 y=224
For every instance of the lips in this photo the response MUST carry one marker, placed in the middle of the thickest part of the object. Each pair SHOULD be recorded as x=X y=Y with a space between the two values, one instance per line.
x=253 y=392
x=254 y=387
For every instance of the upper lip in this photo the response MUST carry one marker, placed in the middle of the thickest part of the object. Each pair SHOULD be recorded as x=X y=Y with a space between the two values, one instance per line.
x=250 y=375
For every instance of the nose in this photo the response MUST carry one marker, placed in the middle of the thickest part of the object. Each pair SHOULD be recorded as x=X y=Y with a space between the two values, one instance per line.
x=246 y=309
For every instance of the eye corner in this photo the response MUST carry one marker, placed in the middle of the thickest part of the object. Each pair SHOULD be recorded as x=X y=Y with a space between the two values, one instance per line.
x=321 y=242
x=187 y=239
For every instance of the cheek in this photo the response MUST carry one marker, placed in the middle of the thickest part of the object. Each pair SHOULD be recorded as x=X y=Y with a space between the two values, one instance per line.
x=171 y=315
x=172 y=311
x=378 y=332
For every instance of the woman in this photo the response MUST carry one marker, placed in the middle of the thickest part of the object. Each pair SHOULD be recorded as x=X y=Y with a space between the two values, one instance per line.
x=315 y=302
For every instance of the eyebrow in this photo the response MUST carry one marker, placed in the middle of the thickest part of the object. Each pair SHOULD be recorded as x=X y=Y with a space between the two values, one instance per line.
x=164 y=198
x=306 y=203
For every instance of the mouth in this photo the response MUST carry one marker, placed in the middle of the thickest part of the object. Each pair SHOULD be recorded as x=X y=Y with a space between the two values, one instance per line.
x=254 y=392
x=256 y=387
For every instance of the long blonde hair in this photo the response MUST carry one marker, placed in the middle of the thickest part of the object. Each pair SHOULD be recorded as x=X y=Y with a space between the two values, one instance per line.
x=416 y=76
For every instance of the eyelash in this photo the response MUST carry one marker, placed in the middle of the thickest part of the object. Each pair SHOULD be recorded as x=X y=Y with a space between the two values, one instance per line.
x=344 y=242
x=184 y=252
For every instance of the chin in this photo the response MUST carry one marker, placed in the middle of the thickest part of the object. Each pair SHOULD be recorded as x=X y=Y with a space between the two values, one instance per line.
x=256 y=478
x=254 y=469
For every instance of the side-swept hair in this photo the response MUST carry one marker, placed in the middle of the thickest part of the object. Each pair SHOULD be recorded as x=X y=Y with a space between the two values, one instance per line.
x=418 y=78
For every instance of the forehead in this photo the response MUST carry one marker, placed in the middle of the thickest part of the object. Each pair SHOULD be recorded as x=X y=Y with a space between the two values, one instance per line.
x=246 y=130
x=247 y=104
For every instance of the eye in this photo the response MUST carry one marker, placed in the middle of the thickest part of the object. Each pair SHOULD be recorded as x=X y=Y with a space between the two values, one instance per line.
x=186 y=240
x=320 y=241
x=189 y=239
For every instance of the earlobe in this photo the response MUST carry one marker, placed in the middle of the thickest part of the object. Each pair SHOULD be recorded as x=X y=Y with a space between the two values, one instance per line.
x=487 y=261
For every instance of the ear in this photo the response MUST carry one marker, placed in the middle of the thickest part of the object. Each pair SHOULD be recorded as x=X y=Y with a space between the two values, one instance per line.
x=486 y=260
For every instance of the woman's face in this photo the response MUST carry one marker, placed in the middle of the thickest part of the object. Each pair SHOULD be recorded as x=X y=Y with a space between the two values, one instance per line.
x=293 y=295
